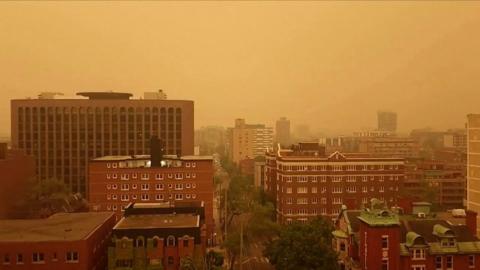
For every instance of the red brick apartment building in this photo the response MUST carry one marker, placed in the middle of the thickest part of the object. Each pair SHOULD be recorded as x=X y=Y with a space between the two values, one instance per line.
x=447 y=179
x=156 y=236
x=385 y=239
x=16 y=169
x=306 y=182
x=64 y=241
x=116 y=181
x=64 y=134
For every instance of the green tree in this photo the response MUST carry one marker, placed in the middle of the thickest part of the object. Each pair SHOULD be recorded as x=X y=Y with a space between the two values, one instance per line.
x=187 y=263
x=303 y=247
x=214 y=260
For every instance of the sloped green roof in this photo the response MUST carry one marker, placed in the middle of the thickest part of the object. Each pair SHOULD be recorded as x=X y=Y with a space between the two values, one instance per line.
x=411 y=237
x=339 y=234
x=442 y=231
x=460 y=248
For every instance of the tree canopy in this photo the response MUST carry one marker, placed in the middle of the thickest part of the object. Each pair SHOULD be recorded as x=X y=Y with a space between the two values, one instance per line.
x=303 y=247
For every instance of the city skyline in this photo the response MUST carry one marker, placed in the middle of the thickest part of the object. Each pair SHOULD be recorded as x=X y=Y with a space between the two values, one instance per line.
x=306 y=60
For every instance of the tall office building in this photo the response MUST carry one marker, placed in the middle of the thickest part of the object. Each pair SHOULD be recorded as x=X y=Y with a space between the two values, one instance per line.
x=282 y=131
x=63 y=134
x=248 y=141
x=387 y=121
x=473 y=163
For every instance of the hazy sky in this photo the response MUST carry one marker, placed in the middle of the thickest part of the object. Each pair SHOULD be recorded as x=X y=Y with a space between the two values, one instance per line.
x=331 y=65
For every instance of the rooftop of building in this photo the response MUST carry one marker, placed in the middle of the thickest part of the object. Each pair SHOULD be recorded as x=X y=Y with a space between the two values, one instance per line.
x=316 y=152
x=58 y=227
x=158 y=221
x=147 y=157
x=431 y=226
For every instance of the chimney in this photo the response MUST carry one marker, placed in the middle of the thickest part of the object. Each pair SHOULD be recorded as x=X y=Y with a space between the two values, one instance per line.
x=156 y=151
x=471 y=221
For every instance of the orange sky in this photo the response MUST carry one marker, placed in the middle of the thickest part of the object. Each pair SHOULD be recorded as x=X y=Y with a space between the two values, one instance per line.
x=331 y=65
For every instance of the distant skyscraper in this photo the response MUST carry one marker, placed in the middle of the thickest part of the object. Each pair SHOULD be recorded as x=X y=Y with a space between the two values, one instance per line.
x=387 y=121
x=473 y=163
x=64 y=134
x=282 y=131
x=248 y=141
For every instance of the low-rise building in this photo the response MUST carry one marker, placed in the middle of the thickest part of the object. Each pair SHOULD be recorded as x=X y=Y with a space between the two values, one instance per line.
x=63 y=241
x=380 y=238
x=158 y=236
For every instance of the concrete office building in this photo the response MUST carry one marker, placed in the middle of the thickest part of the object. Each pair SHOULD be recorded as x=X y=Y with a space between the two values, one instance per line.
x=248 y=141
x=282 y=131
x=387 y=121
x=63 y=134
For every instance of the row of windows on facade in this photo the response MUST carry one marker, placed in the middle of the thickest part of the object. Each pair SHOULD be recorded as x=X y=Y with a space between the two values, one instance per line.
x=171 y=241
x=336 y=168
x=441 y=262
x=323 y=200
x=126 y=187
x=311 y=212
x=146 y=197
x=115 y=165
x=90 y=110
x=39 y=257
x=146 y=176
x=336 y=178
x=348 y=189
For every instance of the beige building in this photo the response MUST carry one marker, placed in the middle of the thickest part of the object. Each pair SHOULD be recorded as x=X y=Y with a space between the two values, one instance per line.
x=248 y=141
x=64 y=134
x=473 y=163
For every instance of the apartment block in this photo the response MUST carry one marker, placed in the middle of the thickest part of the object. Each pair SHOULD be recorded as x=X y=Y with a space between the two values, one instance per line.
x=248 y=141
x=473 y=163
x=446 y=179
x=117 y=181
x=307 y=183
x=157 y=236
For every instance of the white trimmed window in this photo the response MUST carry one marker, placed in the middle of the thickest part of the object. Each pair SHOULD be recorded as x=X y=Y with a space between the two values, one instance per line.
x=159 y=176
x=302 y=190
x=144 y=197
x=38 y=257
x=302 y=200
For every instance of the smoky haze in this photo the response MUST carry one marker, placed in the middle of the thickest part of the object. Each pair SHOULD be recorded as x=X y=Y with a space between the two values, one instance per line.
x=330 y=65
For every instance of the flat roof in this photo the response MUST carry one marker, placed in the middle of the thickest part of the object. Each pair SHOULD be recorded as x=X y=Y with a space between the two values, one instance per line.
x=160 y=221
x=58 y=227
x=146 y=157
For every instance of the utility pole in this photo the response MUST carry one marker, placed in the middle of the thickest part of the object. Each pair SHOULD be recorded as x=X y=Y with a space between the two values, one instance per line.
x=226 y=219
x=241 y=243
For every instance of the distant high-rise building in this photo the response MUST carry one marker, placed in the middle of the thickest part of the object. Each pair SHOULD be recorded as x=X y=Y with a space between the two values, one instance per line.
x=282 y=131
x=387 y=121
x=64 y=134
x=473 y=163
x=248 y=141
